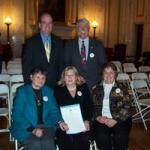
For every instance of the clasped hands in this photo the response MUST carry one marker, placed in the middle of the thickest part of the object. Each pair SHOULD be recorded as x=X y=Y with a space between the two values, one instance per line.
x=107 y=121
x=64 y=127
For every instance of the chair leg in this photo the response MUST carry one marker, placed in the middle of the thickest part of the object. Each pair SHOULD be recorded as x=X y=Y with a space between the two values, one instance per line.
x=16 y=145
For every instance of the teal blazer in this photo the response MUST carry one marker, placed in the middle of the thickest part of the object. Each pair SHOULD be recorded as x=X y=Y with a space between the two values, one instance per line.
x=24 y=113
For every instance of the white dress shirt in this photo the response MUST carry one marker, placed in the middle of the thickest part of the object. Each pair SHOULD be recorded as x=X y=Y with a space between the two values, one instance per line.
x=106 y=104
x=86 y=43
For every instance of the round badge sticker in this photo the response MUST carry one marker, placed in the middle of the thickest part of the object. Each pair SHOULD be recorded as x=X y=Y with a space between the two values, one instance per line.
x=45 y=98
x=79 y=93
x=118 y=90
x=92 y=55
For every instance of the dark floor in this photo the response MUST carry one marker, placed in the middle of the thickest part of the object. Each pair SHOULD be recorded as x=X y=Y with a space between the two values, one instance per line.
x=139 y=139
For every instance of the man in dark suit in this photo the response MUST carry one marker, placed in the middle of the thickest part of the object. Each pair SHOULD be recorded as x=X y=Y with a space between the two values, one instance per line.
x=44 y=50
x=86 y=54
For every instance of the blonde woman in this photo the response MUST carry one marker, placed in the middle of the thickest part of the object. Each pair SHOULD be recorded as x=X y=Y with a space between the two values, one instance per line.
x=71 y=90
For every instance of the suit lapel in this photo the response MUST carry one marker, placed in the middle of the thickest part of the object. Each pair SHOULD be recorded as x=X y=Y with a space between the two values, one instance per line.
x=42 y=48
x=90 y=51
x=77 y=51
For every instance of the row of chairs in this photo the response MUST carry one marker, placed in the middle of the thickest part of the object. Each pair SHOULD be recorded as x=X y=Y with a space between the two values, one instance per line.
x=130 y=67
x=13 y=67
x=139 y=88
x=8 y=86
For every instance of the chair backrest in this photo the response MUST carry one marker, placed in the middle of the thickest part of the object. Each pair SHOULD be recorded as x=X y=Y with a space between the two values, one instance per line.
x=128 y=65
x=4 y=78
x=12 y=71
x=4 y=89
x=124 y=77
x=18 y=78
x=129 y=69
x=139 y=76
x=144 y=69
x=5 y=111
x=137 y=84
x=118 y=65
x=13 y=92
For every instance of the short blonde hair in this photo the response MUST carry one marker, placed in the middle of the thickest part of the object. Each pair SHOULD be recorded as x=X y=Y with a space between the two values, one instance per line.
x=83 y=20
x=62 y=79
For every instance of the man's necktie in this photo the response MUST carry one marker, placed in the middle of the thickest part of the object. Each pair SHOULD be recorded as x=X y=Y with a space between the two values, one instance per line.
x=47 y=49
x=83 y=54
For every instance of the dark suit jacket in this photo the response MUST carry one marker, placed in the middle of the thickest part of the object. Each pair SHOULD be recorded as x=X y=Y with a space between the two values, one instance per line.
x=34 y=55
x=96 y=58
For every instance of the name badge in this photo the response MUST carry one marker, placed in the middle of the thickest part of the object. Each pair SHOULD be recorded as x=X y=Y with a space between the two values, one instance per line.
x=45 y=98
x=92 y=55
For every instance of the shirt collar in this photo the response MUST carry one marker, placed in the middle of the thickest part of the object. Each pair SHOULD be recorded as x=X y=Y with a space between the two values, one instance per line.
x=44 y=37
x=85 y=40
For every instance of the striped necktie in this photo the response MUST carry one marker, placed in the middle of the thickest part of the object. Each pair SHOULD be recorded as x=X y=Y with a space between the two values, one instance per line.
x=47 y=49
x=83 y=53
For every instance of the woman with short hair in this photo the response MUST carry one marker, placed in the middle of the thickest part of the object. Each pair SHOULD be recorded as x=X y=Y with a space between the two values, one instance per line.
x=112 y=115
x=35 y=115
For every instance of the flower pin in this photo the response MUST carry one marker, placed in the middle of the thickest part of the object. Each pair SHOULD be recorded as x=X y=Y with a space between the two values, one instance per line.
x=79 y=93
x=45 y=98
x=118 y=90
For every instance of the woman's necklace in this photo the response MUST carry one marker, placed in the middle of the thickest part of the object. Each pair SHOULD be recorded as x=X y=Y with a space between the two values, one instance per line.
x=38 y=97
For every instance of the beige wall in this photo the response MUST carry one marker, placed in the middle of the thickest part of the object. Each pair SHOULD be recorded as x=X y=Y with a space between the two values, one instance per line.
x=14 y=9
x=116 y=19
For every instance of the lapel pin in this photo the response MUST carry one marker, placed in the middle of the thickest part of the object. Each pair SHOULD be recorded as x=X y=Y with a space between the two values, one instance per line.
x=45 y=98
x=92 y=55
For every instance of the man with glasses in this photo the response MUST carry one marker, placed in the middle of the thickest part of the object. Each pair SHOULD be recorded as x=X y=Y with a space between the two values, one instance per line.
x=86 y=54
x=44 y=50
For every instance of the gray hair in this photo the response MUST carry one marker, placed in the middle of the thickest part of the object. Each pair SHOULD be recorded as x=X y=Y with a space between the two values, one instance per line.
x=83 y=20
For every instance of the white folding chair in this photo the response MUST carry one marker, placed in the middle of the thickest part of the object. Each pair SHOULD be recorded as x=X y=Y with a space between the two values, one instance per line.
x=93 y=145
x=144 y=69
x=13 y=89
x=5 y=78
x=124 y=77
x=140 y=76
x=118 y=65
x=142 y=103
x=17 y=78
x=4 y=111
x=12 y=71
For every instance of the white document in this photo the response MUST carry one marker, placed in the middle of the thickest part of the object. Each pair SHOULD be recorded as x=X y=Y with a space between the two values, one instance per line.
x=72 y=116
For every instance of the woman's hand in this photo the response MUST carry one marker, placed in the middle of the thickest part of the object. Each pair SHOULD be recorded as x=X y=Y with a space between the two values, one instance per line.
x=110 y=122
x=63 y=126
x=38 y=132
x=87 y=125
x=101 y=119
